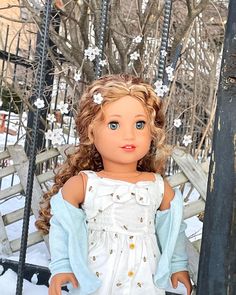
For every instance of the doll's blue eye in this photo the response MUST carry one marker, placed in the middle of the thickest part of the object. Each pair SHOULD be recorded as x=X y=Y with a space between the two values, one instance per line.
x=113 y=125
x=140 y=124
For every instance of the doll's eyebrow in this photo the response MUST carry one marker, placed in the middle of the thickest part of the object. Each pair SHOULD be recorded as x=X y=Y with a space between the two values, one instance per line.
x=115 y=115
x=141 y=115
x=136 y=116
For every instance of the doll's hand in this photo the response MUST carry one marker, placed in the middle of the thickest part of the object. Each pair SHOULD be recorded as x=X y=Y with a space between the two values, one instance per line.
x=183 y=277
x=58 y=280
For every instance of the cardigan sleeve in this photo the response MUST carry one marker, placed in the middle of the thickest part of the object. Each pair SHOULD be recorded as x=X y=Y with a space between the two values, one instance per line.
x=68 y=244
x=58 y=241
x=179 y=261
x=170 y=232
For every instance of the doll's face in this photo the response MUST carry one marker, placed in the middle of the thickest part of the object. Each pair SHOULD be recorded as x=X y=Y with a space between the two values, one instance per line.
x=123 y=135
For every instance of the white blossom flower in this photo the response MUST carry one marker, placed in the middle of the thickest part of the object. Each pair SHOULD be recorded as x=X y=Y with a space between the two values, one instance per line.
x=160 y=89
x=1 y=102
x=165 y=88
x=97 y=98
x=134 y=56
x=88 y=51
x=91 y=52
x=187 y=140
x=170 y=77
x=49 y=135
x=160 y=92
x=103 y=63
x=138 y=39
x=62 y=86
x=55 y=135
x=58 y=131
x=92 y=57
x=169 y=70
x=51 y=118
x=158 y=83
x=163 y=52
x=96 y=50
x=177 y=123
x=77 y=76
x=144 y=5
x=39 y=103
x=63 y=107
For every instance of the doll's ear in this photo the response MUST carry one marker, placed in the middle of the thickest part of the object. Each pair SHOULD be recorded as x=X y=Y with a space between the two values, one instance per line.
x=90 y=133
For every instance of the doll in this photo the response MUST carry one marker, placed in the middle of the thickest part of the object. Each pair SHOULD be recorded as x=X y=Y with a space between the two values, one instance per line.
x=115 y=226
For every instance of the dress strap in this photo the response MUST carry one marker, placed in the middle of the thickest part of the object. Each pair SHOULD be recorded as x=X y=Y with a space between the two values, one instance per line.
x=160 y=183
x=89 y=173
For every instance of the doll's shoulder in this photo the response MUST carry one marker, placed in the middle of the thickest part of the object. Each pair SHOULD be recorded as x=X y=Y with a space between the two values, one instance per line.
x=73 y=190
x=167 y=196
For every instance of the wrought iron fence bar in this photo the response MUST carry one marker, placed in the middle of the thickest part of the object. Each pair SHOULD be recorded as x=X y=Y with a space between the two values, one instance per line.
x=15 y=59
x=8 y=124
x=173 y=63
x=17 y=52
x=14 y=79
x=47 y=94
x=25 y=87
x=102 y=36
x=164 y=39
x=39 y=89
x=3 y=63
x=1 y=83
x=69 y=129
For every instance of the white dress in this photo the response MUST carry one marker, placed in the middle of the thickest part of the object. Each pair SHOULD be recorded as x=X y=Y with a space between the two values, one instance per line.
x=123 y=250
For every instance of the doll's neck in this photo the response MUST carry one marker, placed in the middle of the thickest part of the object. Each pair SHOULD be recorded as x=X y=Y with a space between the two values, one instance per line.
x=118 y=175
x=120 y=169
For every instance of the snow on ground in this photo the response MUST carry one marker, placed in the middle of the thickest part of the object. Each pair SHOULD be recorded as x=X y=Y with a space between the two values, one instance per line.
x=38 y=254
x=8 y=285
x=194 y=225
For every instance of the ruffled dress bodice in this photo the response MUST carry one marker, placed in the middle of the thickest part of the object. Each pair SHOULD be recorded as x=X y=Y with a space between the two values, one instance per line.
x=123 y=250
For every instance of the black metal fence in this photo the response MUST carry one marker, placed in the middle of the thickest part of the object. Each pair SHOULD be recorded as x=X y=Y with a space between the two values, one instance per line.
x=57 y=126
x=17 y=74
x=17 y=71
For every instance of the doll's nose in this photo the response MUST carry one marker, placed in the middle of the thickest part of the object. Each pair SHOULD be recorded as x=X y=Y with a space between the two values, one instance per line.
x=128 y=133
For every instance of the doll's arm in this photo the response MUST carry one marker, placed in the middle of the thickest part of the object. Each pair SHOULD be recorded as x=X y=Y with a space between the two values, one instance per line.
x=171 y=240
x=179 y=262
x=179 y=259
x=69 y=245
x=168 y=196
x=60 y=268
x=58 y=241
x=72 y=192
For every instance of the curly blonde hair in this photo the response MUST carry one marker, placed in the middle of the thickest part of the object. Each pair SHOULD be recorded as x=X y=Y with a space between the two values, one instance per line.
x=86 y=157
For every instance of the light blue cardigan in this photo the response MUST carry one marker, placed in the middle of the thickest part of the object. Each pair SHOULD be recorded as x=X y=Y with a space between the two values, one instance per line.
x=69 y=247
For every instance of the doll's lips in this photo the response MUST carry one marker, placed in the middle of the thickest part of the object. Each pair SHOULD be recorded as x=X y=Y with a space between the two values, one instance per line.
x=128 y=147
